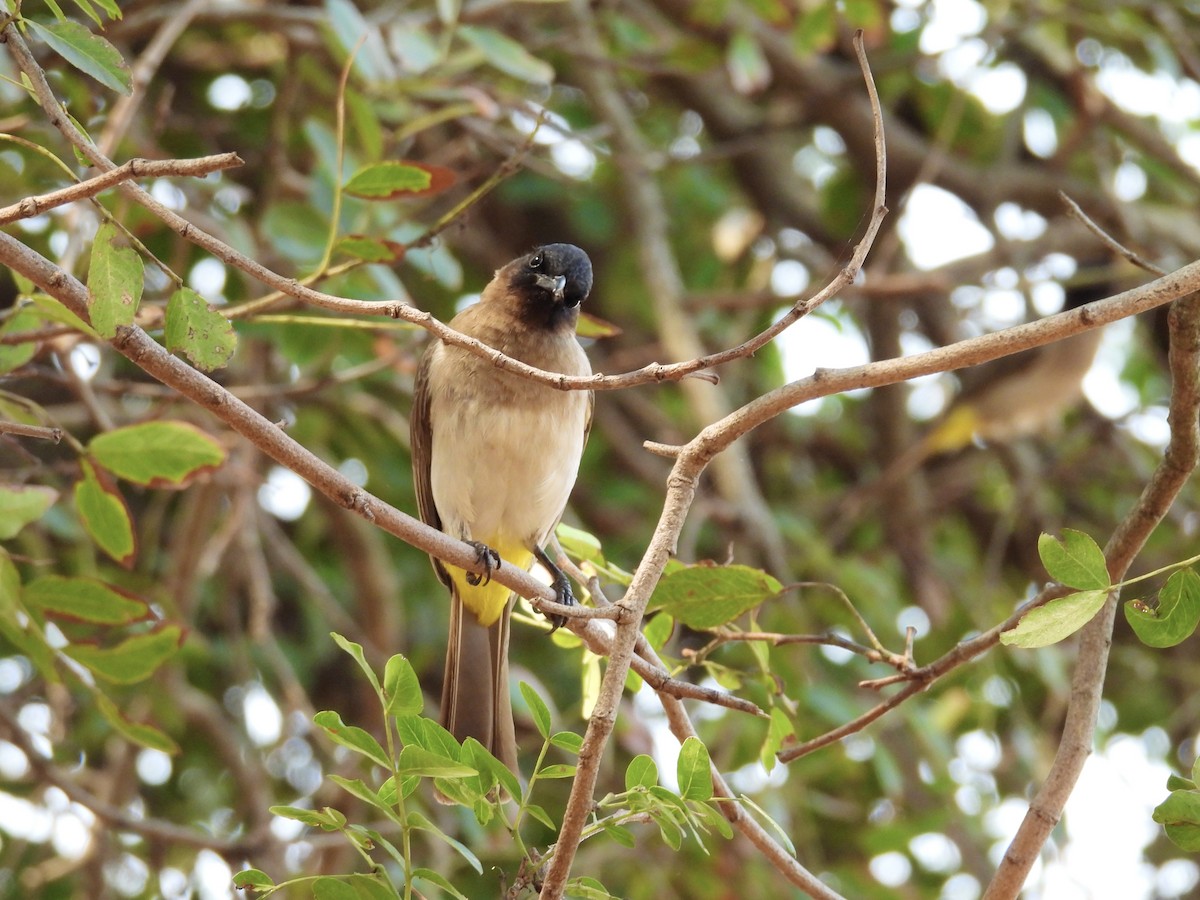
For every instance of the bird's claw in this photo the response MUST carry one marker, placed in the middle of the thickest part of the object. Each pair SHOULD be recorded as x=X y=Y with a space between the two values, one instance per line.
x=488 y=558
x=564 y=595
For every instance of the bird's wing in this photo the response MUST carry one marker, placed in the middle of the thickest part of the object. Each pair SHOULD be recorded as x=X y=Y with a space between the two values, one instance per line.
x=421 y=448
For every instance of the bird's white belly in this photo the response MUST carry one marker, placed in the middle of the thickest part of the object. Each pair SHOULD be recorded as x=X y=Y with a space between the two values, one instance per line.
x=502 y=473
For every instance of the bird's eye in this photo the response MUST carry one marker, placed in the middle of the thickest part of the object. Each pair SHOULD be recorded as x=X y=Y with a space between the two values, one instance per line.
x=536 y=261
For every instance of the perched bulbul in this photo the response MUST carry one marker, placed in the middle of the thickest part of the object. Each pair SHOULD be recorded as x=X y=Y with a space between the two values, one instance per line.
x=1010 y=398
x=494 y=458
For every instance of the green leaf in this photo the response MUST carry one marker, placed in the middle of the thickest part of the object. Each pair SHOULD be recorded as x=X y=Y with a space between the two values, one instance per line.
x=157 y=454
x=198 y=331
x=642 y=771
x=352 y=737
x=356 y=651
x=708 y=596
x=87 y=52
x=326 y=818
x=538 y=709
x=1055 y=621
x=672 y=834
x=491 y=770
x=709 y=814
x=252 y=878
x=440 y=880
x=13 y=356
x=53 y=310
x=749 y=71
x=369 y=249
x=539 y=814
x=620 y=834
x=140 y=733
x=22 y=504
x=15 y=625
x=658 y=629
x=401 y=689
x=114 y=282
x=427 y=734
x=418 y=821
x=587 y=888
x=578 y=543
x=1076 y=561
x=1179 y=815
x=507 y=55
x=775 y=826
x=356 y=787
x=1176 y=617
x=109 y=6
x=416 y=761
x=399 y=178
x=1179 y=783
x=557 y=770
x=778 y=731
x=693 y=770
x=353 y=887
x=357 y=35
x=567 y=740
x=105 y=515
x=133 y=659
x=84 y=600
x=90 y=11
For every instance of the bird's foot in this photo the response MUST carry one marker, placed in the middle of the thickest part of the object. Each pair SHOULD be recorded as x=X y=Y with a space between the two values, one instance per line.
x=562 y=589
x=488 y=558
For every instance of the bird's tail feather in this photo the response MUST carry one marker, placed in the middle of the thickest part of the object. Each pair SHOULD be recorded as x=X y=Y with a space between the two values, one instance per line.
x=475 y=698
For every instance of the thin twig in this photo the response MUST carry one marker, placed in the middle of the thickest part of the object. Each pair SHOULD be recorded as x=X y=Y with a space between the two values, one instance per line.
x=1076 y=211
x=54 y=434
x=134 y=168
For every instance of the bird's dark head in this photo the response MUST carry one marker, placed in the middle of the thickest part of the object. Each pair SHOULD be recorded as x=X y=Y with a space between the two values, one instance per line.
x=551 y=280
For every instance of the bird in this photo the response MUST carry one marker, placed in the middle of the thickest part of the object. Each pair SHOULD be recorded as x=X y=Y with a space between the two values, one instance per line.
x=1011 y=398
x=495 y=456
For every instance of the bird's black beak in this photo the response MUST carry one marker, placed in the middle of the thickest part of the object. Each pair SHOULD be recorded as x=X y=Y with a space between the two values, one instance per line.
x=555 y=284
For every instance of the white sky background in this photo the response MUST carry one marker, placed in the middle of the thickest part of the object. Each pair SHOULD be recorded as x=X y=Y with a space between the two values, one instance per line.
x=1107 y=822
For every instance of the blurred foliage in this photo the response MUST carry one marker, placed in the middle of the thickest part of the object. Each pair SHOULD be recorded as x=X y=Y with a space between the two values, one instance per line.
x=758 y=145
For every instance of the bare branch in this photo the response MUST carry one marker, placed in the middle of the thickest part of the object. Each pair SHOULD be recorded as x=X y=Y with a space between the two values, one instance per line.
x=1087 y=681
x=34 y=431
x=134 y=168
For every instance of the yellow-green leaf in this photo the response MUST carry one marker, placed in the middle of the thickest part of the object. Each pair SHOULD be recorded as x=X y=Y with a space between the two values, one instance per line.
x=87 y=52
x=198 y=331
x=1055 y=621
x=114 y=282
x=1076 y=561
x=158 y=454
x=104 y=514
x=139 y=732
x=708 y=596
x=13 y=356
x=1176 y=617
x=693 y=771
x=22 y=504
x=133 y=659
x=507 y=55
x=84 y=600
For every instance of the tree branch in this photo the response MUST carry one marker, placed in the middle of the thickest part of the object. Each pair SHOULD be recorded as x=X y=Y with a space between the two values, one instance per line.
x=1087 y=682
x=134 y=168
